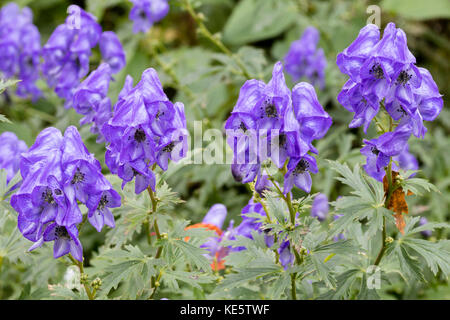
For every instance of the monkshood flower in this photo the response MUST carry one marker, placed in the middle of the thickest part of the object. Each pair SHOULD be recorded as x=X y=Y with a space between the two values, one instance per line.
x=298 y=173
x=379 y=151
x=146 y=129
x=20 y=49
x=425 y=233
x=112 y=51
x=67 y=51
x=10 y=149
x=90 y=99
x=383 y=70
x=58 y=172
x=320 y=207
x=304 y=59
x=268 y=122
x=286 y=256
x=146 y=12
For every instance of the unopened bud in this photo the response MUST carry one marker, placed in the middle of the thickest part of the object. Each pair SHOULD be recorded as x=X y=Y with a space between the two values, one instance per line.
x=389 y=240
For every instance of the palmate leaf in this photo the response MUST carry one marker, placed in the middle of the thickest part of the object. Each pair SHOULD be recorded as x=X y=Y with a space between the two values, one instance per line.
x=244 y=275
x=418 y=186
x=195 y=279
x=344 y=284
x=367 y=201
x=7 y=83
x=130 y=267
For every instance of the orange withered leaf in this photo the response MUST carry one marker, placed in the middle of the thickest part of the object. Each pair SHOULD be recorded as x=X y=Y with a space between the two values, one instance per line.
x=397 y=202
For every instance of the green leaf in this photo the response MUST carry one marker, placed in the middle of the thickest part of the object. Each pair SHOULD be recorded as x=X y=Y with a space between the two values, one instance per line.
x=254 y=20
x=7 y=83
x=4 y=119
x=193 y=254
x=247 y=274
x=418 y=186
x=323 y=271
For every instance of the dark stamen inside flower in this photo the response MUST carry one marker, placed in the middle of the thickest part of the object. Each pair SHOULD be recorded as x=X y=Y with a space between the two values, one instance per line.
x=243 y=127
x=403 y=78
x=377 y=71
x=78 y=177
x=282 y=139
x=169 y=147
x=61 y=232
x=142 y=15
x=135 y=173
x=139 y=135
x=58 y=192
x=301 y=167
x=363 y=100
x=48 y=196
x=159 y=114
x=271 y=111
x=375 y=151
x=103 y=202
x=400 y=109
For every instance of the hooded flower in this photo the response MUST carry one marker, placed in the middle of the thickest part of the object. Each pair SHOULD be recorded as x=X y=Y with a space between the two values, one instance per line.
x=286 y=256
x=67 y=51
x=298 y=173
x=146 y=12
x=146 y=129
x=320 y=207
x=268 y=122
x=10 y=149
x=305 y=60
x=58 y=172
x=20 y=49
x=112 y=51
x=379 y=151
x=90 y=99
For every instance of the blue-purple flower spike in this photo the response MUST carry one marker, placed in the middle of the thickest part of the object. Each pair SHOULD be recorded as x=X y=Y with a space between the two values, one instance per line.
x=146 y=129
x=58 y=172
x=20 y=49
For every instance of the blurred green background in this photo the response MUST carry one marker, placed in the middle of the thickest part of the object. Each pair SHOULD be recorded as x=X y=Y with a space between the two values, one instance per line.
x=260 y=32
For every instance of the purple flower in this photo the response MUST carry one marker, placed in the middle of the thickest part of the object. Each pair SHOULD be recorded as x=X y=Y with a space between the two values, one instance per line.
x=20 y=49
x=146 y=128
x=58 y=172
x=112 y=51
x=286 y=256
x=268 y=122
x=305 y=60
x=379 y=151
x=67 y=51
x=216 y=215
x=352 y=100
x=320 y=207
x=65 y=241
x=384 y=70
x=298 y=173
x=90 y=99
x=146 y=12
x=10 y=149
x=425 y=233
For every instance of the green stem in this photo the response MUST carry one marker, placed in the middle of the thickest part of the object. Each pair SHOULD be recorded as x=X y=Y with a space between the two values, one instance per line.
x=79 y=264
x=293 y=286
x=215 y=40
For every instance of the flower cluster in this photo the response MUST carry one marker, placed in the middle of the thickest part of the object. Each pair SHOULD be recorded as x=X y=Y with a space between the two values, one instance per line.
x=67 y=51
x=383 y=72
x=146 y=12
x=20 y=48
x=146 y=129
x=10 y=149
x=58 y=172
x=270 y=122
x=304 y=59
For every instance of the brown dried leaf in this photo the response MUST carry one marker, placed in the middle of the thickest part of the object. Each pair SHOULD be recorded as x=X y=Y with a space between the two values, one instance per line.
x=397 y=202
